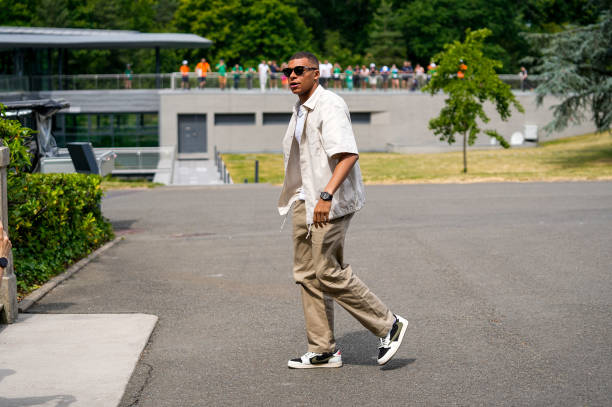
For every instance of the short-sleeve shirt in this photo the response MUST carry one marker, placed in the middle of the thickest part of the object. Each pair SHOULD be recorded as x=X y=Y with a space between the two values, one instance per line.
x=221 y=68
x=202 y=68
x=184 y=70
x=311 y=163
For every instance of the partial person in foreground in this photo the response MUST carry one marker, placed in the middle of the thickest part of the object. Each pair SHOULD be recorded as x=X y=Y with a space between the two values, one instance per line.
x=5 y=251
x=323 y=188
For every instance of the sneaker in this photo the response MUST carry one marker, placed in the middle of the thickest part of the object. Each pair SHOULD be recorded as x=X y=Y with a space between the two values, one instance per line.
x=311 y=360
x=391 y=343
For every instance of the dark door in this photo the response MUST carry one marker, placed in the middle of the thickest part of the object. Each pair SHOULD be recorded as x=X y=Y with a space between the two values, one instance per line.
x=192 y=133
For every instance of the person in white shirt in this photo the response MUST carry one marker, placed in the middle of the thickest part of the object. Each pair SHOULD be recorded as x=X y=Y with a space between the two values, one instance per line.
x=263 y=70
x=326 y=72
x=323 y=189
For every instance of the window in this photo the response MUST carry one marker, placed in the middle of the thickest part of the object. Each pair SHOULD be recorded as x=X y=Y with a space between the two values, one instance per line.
x=234 y=119
x=360 y=117
x=107 y=129
x=276 y=118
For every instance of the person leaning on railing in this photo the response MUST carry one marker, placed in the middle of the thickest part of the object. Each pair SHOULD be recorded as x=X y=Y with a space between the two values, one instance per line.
x=5 y=250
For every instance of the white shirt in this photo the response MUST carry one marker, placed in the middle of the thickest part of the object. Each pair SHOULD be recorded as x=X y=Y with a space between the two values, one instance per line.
x=325 y=70
x=263 y=69
x=310 y=164
x=299 y=128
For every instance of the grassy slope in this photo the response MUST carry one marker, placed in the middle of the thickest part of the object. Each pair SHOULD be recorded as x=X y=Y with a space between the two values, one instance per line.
x=587 y=157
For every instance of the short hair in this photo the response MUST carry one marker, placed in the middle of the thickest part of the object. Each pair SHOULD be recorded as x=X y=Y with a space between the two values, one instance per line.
x=308 y=55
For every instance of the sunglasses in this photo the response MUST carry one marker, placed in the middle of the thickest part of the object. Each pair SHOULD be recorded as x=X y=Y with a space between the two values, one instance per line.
x=299 y=70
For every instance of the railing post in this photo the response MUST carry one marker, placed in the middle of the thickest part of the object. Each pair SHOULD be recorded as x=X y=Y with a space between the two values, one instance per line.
x=8 y=285
x=256 y=171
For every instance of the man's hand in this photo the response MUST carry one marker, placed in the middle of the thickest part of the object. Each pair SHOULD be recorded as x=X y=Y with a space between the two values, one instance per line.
x=321 y=213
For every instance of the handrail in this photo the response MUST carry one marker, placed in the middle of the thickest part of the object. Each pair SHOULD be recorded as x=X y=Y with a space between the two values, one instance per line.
x=173 y=80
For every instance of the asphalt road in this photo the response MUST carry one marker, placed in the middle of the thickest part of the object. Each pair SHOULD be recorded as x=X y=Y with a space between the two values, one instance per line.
x=507 y=288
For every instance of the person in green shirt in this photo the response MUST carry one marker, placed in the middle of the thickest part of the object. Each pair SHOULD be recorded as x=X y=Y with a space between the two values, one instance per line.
x=348 y=76
x=128 y=76
x=236 y=73
x=337 y=80
x=221 y=71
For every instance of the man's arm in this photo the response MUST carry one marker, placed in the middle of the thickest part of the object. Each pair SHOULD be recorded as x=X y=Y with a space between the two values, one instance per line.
x=346 y=161
x=5 y=249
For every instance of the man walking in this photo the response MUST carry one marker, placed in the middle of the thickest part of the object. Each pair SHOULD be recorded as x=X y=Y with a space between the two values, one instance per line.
x=323 y=186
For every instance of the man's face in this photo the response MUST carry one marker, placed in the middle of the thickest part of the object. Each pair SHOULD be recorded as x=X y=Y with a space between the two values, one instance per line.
x=302 y=84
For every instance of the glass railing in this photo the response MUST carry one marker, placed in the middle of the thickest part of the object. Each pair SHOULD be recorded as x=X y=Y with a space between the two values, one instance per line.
x=242 y=81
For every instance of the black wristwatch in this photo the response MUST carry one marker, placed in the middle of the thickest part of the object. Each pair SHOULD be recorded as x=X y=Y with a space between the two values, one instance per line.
x=326 y=196
x=3 y=262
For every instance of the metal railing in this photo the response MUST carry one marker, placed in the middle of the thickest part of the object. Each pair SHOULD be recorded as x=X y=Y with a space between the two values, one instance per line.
x=242 y=81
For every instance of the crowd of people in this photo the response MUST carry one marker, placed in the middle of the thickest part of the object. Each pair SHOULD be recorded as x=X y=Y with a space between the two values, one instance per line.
x=271 y=76
x=358 y=77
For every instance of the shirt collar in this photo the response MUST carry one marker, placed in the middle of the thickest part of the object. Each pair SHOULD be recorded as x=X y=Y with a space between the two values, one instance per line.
x=312 y=100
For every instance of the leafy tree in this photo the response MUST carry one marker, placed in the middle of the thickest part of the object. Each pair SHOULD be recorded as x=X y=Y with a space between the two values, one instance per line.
x=463 y=107
x=245 y=30
x=387 y=44
x=576 y=65
x=429 y=24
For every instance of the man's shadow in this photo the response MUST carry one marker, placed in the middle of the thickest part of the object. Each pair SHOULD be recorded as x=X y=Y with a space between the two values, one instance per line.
x=357 y=349
x=60 y=400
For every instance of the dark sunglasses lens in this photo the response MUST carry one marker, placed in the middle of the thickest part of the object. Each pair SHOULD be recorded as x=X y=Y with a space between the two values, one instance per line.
x=299 y=70
x=287 y=72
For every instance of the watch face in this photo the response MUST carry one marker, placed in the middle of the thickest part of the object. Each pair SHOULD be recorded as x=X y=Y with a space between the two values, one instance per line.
x=3 y=262
x=326 y=196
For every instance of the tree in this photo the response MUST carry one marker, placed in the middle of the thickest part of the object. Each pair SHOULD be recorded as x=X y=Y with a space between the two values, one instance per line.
x=429 y=24
x=466 y=94
x=576 y=65
x=387 y=44
x=245 y=31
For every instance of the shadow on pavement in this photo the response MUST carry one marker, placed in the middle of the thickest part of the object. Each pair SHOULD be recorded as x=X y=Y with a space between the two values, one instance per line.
x=48 y=308
x=61 y=400
x=361 y=348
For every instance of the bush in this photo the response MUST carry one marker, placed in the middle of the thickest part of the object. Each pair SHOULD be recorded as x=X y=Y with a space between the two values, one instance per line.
x=54 y=219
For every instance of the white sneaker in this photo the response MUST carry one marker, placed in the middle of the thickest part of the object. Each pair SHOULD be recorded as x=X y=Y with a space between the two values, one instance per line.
x=312 y=360
x=391 y=343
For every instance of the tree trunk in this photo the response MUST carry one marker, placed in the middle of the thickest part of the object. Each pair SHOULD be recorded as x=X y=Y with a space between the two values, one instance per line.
x=464 y=153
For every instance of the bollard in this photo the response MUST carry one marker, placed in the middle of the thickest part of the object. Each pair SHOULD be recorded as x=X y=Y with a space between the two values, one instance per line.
x=256 y=171
x=8 y=288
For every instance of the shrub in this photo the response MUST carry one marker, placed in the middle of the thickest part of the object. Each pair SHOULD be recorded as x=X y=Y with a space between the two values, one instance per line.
x=54 y=219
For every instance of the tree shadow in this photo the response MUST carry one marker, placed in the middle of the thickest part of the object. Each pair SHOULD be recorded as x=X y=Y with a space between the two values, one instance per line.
x=60 y=400
x=123 y=225
x=359 y=348
x=49 y=307
x=581 y=157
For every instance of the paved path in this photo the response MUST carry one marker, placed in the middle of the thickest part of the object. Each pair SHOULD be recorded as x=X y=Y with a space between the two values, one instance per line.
x=70 y=360
x=507 y=288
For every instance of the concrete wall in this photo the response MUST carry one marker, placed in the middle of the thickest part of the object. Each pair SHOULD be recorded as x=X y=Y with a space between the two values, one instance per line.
x=399 y=121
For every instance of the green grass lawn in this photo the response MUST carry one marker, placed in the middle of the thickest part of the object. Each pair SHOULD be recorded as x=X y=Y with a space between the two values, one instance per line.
x=587 y=157
x=110 y=182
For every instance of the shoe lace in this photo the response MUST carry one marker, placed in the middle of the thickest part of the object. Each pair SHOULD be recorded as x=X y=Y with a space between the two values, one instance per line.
x=309 y=355
x=384 y=342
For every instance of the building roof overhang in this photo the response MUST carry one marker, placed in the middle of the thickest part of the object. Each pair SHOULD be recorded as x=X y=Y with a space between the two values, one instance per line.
x=38 y=37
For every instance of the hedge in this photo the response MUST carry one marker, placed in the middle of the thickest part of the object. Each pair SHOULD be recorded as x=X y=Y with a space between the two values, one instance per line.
x=54 y=219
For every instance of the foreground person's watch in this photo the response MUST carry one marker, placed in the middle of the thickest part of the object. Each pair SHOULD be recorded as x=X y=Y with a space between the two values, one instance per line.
x=3 y=262
x=326 y=196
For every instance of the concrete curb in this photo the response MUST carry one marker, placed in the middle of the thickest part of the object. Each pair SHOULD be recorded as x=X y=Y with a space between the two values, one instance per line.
x=39 y=293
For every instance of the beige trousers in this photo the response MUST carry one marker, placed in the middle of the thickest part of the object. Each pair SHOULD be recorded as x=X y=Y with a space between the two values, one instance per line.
x=319 y=269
